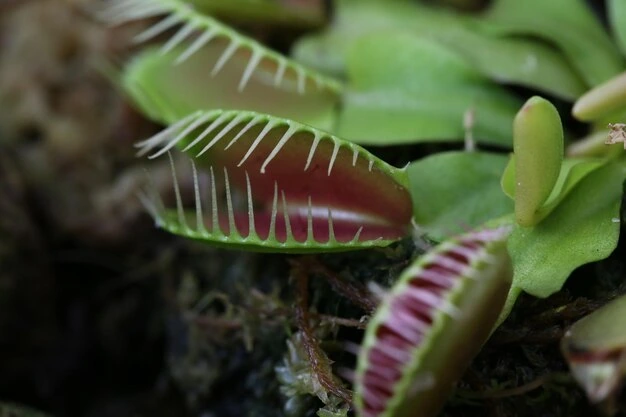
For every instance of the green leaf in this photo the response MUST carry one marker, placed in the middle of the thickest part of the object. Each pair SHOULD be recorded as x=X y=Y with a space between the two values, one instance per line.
x=583 y=228
x=419 y=94
x=503 y=59
x=524 y=62
x=568 y=24
x=456 y=190
x=617 y=18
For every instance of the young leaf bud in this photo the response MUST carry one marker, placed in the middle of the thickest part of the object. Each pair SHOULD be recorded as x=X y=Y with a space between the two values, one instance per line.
x=538 y=148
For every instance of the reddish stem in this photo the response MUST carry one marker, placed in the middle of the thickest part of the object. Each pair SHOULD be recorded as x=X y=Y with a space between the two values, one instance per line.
x=320 y=364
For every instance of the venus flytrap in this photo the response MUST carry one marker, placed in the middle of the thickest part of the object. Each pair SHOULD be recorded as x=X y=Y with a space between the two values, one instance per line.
x=204 y=64
x=430 y=325
x=262 y=181
x=168 y=91
x=595 y=349
x=304 y=189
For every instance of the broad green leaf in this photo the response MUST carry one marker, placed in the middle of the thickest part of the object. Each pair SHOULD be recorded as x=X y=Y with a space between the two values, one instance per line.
x=538 y=150
x=167 y=92
x=568 y=24
x=521 y=61
x=617 y=18
x=457 y=190
x=504 y=59
x=419 y=94
x=583 y=228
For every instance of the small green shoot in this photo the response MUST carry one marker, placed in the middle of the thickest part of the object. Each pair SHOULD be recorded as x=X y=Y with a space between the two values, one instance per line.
x=538 y=151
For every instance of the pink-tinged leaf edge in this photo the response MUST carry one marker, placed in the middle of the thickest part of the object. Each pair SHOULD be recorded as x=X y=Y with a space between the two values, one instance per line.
x=431 y=324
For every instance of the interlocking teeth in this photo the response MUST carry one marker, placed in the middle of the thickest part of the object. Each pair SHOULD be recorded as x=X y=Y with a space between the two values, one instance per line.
x=465 y=278
x=208 y=139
